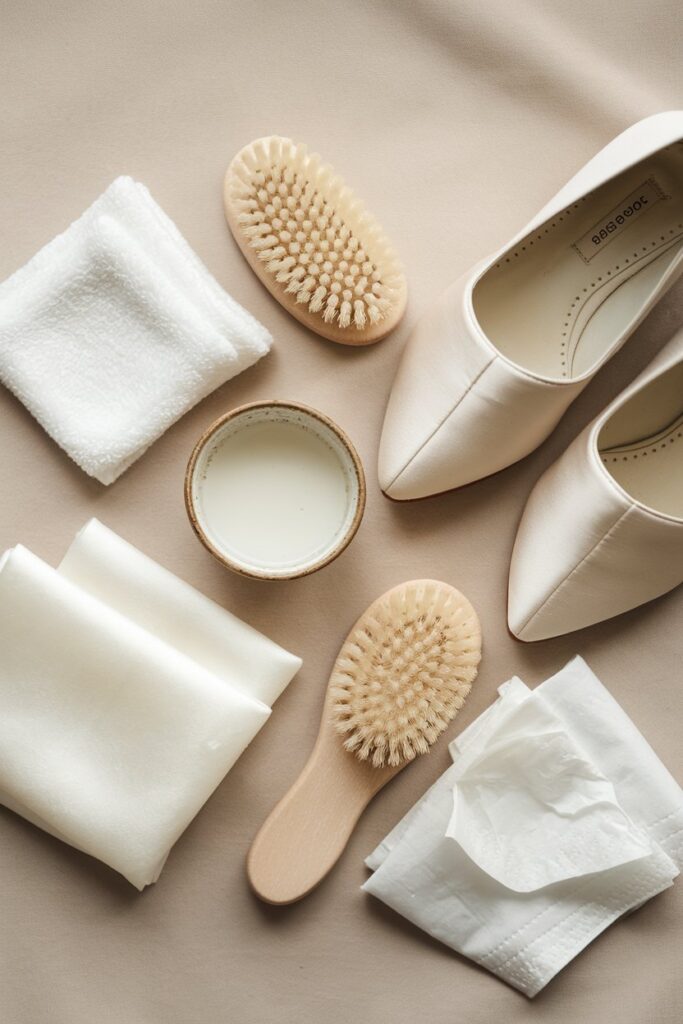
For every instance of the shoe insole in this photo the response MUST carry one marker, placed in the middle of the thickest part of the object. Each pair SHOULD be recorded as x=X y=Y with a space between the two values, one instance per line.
x=568 y=292
x=650 y=469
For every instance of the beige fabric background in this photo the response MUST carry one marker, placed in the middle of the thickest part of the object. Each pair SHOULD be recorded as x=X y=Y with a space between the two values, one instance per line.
x=455 y=122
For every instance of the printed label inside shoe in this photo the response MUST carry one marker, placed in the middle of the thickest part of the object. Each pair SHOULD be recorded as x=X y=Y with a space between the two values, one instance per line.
x=629 y=209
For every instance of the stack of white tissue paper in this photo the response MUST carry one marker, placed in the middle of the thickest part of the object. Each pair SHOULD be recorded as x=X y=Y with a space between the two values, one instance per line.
x=555 y=819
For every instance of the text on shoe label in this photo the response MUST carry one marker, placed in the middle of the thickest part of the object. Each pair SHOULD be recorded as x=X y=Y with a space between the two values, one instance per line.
x=629 y=209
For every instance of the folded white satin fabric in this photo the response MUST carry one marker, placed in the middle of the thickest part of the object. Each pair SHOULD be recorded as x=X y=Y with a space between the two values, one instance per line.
x=555 y=819
x=115 y=329
x=112 y=570
x=125 y=697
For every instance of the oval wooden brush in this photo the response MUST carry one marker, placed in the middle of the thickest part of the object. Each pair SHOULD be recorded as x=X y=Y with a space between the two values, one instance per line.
x=401 y=675
x=312 y=243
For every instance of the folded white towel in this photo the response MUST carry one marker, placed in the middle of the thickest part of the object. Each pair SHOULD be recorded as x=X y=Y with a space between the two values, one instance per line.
x=119 y=715
x=115 y=329
x=555 y=819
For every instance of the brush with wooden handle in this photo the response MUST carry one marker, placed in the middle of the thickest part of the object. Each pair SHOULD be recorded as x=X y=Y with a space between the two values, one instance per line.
x=401 y=676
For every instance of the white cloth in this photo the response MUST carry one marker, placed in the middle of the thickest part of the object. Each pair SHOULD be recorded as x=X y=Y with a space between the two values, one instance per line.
x=112 y=570
x=118 y=719
x=115 y=329
x=555 y=819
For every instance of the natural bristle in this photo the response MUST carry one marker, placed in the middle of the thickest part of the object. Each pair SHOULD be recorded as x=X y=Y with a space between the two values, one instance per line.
x=404 y=672
x=321 y=249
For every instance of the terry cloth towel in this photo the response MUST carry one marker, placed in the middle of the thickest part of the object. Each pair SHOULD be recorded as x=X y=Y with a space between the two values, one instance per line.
x=125 y=697
x=555 y=819
x=115 y=329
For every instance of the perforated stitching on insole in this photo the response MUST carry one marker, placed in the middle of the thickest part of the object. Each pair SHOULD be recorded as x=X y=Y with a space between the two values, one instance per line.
x=539 y=236
x=626 y=263
x=567 y=212
x=599 y=279
x=641 y=449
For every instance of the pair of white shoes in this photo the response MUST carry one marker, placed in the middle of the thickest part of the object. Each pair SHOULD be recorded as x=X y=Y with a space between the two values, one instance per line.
x=488 y=373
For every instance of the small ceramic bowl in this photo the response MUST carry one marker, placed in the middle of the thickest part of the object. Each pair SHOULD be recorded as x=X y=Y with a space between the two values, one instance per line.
x=275 y=490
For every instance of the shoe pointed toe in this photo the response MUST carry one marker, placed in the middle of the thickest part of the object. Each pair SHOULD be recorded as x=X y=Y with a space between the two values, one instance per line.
x=602 y=530
x=446 y=456
x=531 y=614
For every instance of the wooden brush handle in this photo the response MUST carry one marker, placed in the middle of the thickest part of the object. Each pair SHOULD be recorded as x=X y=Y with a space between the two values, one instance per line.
x=307 y=831
x=418 y=623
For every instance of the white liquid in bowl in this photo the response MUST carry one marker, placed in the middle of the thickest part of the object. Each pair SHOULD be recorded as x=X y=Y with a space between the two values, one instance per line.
x=275 y=490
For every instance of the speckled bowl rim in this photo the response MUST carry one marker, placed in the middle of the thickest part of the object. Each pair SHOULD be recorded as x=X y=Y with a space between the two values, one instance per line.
x=208 y=436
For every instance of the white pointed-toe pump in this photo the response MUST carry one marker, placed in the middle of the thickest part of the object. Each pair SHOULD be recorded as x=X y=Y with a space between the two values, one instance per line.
x=602 y=531
x=490 y=369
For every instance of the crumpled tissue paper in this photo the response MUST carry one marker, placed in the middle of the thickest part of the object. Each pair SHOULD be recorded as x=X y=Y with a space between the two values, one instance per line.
x=555 y=819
